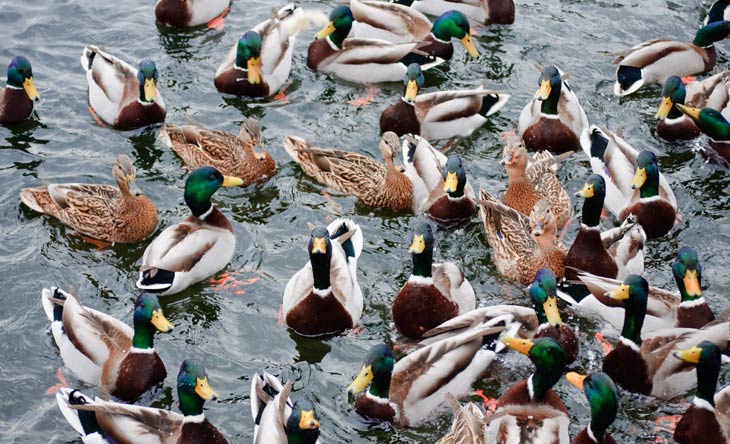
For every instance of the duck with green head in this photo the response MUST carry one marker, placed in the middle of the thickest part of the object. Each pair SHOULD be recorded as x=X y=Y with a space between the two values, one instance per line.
x=16 y=100
x=603 y=398
x=714 y=125
x=654 y=61
x=543 y=294
x=534 y=397
x=131 y=424
x=554 y=119
x=707 y=420
x=456 y=203
x=693 y=311
x=434 y=293
x=196 y=248
x=103 y=350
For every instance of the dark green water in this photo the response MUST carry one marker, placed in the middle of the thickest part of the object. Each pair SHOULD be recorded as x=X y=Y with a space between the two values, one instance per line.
x=236 y=333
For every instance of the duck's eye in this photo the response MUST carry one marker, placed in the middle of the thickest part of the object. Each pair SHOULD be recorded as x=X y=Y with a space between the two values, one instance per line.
x=212 y=177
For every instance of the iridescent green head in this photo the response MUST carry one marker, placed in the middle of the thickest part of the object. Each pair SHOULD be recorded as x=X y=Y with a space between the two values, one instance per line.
x=687 y=271
x=634 y=293
x=602 y=395
x=551 y=83
x=543 y=294
x=707 y=357
x=421 y=250
x=20 y=75
x=193 y=388
x=673 y=92
x=709 y=121
x=376 y=372
x=594 y=193
x=454 y=24
x=454 y=177
x=413 y=81
x=549 y=359
x=302 y=426
x=147 y=76
x=202 y=184
x=646 y=176
x=711 y=33
x=339 y=26
x=148 y=318
x=248 y=55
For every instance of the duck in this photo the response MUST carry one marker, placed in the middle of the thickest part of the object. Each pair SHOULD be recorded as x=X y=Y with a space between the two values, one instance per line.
x=521 y=245
x=655 y=213
x=373 y=183
x=439 y=114
x=16 y=100
x=196 y=248
x=259 y=63
x=99 y=421
x=111 y=214
x=653 y=61
x=602 y=396
x=713 y=124
x=469 y=421
x=554 y=119
x=399 y=24
x=278 y=419
x=530 y=411
x=615 y=160
x=408 y=391
x=324 y=297
x=642 y=363
x=452 y=204
x=232 y=155
x=434 y=293
x=482 y=12
x=712 y=92
x=362 y=60
x=187 y=13
x=542 y=292
x=707 y=420
x=103 y=350
x=534 y=179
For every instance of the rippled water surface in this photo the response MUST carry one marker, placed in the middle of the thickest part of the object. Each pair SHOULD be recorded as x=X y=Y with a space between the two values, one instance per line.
x=234 y=329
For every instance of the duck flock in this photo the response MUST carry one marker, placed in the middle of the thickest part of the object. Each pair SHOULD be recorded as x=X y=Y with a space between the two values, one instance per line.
x=671 y=343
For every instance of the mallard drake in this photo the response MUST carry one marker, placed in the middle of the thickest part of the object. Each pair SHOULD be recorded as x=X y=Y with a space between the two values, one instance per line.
x=373 y=183
x=542 y=293
x=16 y=100
x=655 y=60
x=534 y=179
x=440 y=114
x=602 y=396
x=434 y=293
x=324 y=296
x=112 y=214
x=120 y=95
x=277 y=420
x=186 y=13
x=645 y=366
x=554 y=118
x=103 y=350
x=483 y=12
x=707 y=420
x=362 y=60
x=615 y=160
x=712 y=92
x=100 y=421
x=453 y=203
x=521 y=245
x=716 y=127
x=718 y=12
x=399 y=24
x=408 y=391
x=196 y=248
x=468 y=425
x=259 y=63
x=232 y=155
x=530 y=412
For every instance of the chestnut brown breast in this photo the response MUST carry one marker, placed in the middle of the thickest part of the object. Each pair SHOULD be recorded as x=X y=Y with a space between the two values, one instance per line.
x=552 y=135
x=694 y=317
x=401 y=119
x=419 y=308
x=316 y=315
x=628 y=369
x=135 y=115
x=234 y=81
x=588 y=254
x=15 y=106
x=138 y=372
x=450 y=213
x=655 y=217
x=201 y=433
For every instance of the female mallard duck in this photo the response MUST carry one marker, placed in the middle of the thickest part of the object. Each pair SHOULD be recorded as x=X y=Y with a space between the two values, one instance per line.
x=716 y=127
x=16 y=100
x=542 y=292
x=713 y=92
x=105 y=351
x=602 y=396
x=484 y=12
x=530 y=412
x=277 y=420
x=615 y=160
x=259 y=63
x=646 y=367
x=186 y=13
x=407 y=392
x=468 y=425
x=196 y=248
x=112 y=214
x=100 y=421
x=534 y=179
x=440 y=114
x=324 y=296
x=554 y=119
x=230 y=154
x=120 y=95
x=655 y=60
x=399 y=24
x=362 y=60
x=373 y=183
x=434 y=293
x=707 y=420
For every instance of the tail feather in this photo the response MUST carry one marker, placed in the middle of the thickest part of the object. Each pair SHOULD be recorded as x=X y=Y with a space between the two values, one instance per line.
x=342 y=228
x=87 y=57
x=155 y=280
x=82 y=421
x=38 y=199
x=493 y=102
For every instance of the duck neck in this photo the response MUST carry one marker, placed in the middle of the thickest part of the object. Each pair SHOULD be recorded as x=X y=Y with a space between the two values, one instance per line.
x=633 y=321
x=380 y=385
x=422 y=263
x=144 y=334
x=707 y=376
x=542 y=381
x=190 y=403
x=298 y=436
x=650 y=188
x=339 y=35
x=321 y=269
x=592 y=208
x=550 y=105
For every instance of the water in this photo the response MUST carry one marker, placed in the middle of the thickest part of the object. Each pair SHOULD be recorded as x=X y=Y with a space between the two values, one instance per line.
x=234 y=329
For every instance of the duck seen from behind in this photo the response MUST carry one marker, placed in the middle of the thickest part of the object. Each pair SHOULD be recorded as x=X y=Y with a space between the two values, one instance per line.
x=16 y=100
x=602 y=396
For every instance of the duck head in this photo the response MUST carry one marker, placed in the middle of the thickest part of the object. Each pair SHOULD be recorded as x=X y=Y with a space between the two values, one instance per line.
x=454 y=177
x=375 y=372
x=248 y=56
x=413 y=81
x=339 y=26
x=193 y=388
x=200 y=187
x=454 y=24
x=602 y=396
x=543 y=294
x=20 y=75
x=687 y=271
x=147 y=76
x=673 y=92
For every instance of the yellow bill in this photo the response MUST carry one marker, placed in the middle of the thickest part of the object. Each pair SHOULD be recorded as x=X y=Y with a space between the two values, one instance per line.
x=202 y=388
x=253 y=66
x=664 y=108
x=418 y=244
x=694 y=113
x=639 y=178
x=411 y=91
x=307 y=421
x=319 y=245
x=30 y=89
x=551 y=311
x=586 y=191
x=544 y=92
x=230 y=181
x=576 y=379
x=451 y=183
x=691 y=355
x=160 y=321
x=521 y=345
x=150 y=90
x=621 y=293
x=362 y=381
x=327 y=30
x=692 y=283
x=469 y=45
